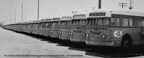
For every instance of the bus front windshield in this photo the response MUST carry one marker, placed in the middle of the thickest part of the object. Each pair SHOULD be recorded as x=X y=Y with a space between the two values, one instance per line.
x=63 y=23
x=54 y=23
x=79 y=22
x=74 y=22
x=98 y=21
x=82 y=22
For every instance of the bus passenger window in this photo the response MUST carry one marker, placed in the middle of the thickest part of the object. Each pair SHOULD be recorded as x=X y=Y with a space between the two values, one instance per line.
x=113 y=21
x=136 y=23
x=125 y=22
x=142 y=23
x=130 y=22
x=118 y=22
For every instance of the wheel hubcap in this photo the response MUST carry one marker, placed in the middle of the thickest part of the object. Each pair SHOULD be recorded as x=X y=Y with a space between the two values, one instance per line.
x=126 y=43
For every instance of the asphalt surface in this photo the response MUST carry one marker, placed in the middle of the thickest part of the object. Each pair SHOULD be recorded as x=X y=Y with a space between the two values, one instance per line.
x=23 y=45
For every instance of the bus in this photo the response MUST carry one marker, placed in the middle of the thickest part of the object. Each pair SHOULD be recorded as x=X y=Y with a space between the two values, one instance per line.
x=117 y=28
x=29 y=26
x=46 y=27
x=41 y=27
x=54 y=33
x=78 y=31
x=36 y=27
x=64 y=29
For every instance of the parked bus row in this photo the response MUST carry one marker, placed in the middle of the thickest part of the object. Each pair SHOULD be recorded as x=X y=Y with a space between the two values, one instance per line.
x=98 y=28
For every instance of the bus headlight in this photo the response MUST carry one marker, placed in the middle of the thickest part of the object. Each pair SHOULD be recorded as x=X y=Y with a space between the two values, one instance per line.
x=60 y=32
x=51 y=31
x=103 y=36
x=88 y=35
x=84 y=34
x=70 y=33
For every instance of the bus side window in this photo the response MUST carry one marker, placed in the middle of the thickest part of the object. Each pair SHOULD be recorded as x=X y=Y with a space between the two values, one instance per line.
x=113 y=21
x=118 y=21
x=136 y=23
x=125 y=22
x=130 y=22
x=142 y=23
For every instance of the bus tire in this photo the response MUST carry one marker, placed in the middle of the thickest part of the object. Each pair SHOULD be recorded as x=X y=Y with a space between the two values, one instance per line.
x=126 y=42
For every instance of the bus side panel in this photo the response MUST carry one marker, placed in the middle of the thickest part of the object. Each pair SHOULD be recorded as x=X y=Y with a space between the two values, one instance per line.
x=133 y=32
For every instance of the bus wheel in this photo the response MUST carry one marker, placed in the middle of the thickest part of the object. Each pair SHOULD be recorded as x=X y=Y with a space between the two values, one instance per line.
x=126 y=42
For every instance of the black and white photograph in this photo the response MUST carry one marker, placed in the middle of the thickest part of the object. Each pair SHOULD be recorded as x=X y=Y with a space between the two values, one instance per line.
x=71 y=29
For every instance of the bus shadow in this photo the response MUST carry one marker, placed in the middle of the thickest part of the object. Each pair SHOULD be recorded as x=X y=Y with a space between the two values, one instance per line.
x=100 y=51
x=111 y=52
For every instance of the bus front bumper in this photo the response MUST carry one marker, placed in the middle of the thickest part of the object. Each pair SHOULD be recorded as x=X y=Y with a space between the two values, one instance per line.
x=77 y=40
x=64 y=37
x=112 y=43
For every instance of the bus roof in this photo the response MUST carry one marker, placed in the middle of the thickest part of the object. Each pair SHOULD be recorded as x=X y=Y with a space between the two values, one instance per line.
x=120 y=12
x=56 y=19
x=37 y=21
x=132 y=13
x=66 y=18
x=46 y=20
x=79 y=16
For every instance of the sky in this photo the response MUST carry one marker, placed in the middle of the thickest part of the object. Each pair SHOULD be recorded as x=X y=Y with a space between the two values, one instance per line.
x=11 y=10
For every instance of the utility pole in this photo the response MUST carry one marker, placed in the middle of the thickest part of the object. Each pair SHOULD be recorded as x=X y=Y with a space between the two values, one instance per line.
x=123 y=5
x=38 y=11
x=131 y=7
x=99 y=4
x=22 y=11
